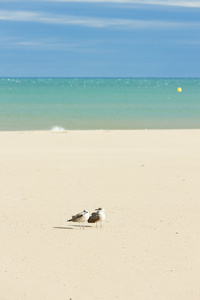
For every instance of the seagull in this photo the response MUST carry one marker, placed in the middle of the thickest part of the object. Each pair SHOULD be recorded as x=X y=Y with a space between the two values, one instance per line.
x=97 y=216
x=80 y=218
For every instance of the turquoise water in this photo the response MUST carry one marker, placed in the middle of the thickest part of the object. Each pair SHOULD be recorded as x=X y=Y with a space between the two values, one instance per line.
x=98 y=103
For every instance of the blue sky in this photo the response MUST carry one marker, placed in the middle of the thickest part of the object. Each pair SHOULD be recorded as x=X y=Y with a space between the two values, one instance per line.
x=124 y=38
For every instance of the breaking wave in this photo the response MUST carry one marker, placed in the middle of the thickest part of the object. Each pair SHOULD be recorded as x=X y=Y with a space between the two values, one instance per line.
x=57 y=129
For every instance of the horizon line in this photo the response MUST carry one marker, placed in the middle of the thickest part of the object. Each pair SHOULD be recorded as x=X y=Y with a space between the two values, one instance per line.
x=101 y=77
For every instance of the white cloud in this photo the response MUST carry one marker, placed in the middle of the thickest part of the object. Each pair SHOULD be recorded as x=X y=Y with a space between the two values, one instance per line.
x=85 y=46
x=27 y=16
x=38 y=44
x=179 y=3
x=6 y=15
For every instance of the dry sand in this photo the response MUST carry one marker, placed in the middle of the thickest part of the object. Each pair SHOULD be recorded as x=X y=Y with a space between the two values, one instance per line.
x=148 y=183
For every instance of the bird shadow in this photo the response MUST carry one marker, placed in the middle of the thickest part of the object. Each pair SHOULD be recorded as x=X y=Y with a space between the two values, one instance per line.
x=56 y=227
x=70 y=227
x=79 y=226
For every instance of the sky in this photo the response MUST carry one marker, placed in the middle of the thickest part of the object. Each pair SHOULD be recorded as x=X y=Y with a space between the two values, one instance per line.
x=99 y=38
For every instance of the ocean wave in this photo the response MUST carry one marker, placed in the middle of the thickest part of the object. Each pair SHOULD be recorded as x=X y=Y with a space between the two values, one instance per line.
x=58 y=129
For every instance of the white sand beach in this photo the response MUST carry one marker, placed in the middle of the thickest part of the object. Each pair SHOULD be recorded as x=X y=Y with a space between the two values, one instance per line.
x=148 y=183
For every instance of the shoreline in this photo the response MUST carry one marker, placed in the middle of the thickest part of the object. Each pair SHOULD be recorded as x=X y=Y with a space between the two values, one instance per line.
x=99 y=130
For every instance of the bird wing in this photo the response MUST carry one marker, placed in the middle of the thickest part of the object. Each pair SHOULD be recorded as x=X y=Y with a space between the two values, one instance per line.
x=78 y=216
x=93 y=218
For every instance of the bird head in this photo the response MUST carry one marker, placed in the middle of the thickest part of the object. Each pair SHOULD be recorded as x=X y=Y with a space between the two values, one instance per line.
x=99 y=209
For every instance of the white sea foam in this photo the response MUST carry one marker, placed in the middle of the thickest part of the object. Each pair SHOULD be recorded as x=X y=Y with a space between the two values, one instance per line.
x=57 y=129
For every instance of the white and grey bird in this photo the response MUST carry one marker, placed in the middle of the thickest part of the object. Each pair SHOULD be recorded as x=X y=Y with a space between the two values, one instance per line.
x=98 y=216
x=81 y=218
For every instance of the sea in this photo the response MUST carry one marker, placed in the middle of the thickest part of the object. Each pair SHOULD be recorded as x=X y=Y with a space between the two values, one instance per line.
x=58 y=104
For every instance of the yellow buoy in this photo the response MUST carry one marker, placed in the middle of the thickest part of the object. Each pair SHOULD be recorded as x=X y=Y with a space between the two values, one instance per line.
x=179 y=89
